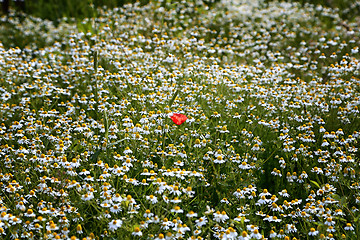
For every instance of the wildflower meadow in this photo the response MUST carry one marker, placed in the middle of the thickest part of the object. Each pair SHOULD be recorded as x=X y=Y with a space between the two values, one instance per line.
x=231 y=120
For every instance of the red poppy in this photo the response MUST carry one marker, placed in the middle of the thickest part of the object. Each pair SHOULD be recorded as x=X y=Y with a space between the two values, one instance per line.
x=178 y=118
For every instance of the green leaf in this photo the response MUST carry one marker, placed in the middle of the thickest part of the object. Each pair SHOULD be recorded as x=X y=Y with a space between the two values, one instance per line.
x=343 y=201
x=315 y=183
x=336 y=197
x=94 y=157
x=173 y=98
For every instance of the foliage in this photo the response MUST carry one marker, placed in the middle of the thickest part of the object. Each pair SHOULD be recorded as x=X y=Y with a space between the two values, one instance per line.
x=56 y=10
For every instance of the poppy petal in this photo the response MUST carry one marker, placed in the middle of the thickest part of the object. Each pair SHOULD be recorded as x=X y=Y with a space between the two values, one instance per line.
x=178 y=118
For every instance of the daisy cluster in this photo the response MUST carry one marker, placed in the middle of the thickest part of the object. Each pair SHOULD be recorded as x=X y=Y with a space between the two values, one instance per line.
x=269 y=148
x=30 y=32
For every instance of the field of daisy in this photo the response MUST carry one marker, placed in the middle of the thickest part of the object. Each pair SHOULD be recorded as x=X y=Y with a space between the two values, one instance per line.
x=181 y=120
